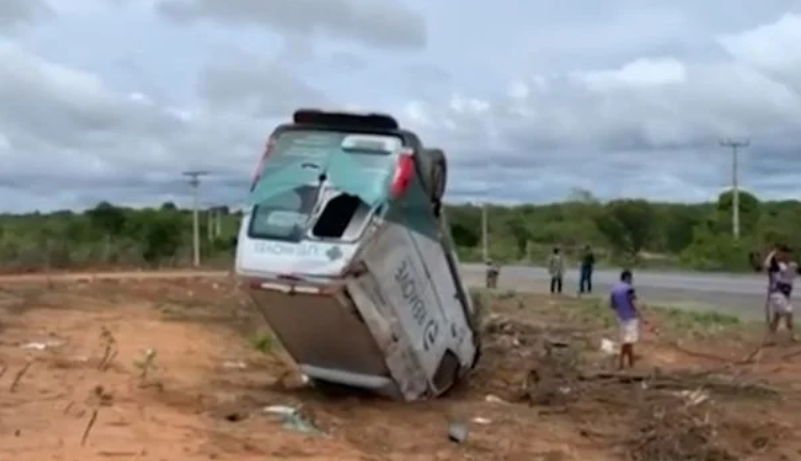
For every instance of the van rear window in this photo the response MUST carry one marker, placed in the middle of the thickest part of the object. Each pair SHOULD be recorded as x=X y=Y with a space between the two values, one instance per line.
x=289 y=185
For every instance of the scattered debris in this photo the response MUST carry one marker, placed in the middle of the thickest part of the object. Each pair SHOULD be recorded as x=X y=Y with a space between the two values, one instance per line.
x=238 y=364
x=40 y=346
x=609 y=347
x=457 y=431
x=282 y=410
x=695 y=397
x=494 y=399
x=293 y=419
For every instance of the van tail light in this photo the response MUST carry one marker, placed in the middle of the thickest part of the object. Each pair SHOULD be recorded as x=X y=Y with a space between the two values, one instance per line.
x=404 y=171
x=268 y=149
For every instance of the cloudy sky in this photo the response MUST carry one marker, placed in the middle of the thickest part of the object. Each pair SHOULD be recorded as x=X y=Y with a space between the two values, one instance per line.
x=113 y=99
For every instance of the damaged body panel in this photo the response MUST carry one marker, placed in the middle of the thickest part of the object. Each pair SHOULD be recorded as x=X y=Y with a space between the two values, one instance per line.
x=347 y=256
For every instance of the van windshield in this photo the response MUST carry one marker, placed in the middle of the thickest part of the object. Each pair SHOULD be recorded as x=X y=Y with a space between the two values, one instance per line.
x=307 y=166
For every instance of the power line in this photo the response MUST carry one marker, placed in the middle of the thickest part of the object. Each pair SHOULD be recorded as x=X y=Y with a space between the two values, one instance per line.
x=735 y=145
x=194 y=182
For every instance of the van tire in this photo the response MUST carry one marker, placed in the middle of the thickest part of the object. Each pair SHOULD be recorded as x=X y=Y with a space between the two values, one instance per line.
x=447 y=374
x=479 y=351
x=438 y=176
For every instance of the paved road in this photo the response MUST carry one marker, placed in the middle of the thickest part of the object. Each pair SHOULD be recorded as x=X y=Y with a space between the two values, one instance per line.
x=737 y=294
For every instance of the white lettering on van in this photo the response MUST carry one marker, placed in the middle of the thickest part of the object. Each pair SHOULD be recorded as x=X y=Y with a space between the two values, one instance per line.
x=303 y=250
x=411 y=292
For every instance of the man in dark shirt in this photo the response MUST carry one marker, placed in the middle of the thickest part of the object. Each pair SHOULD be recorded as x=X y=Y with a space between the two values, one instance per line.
x=587 y=265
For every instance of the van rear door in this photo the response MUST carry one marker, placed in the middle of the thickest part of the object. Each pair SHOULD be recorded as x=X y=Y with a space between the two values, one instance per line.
x=314 y=195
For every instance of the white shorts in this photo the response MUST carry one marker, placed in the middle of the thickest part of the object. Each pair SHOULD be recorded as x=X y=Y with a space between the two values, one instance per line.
x=780 y=304
x=629 y=331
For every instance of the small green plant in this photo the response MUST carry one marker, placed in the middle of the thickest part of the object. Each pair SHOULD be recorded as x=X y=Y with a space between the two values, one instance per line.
x=506 y=294
x=109 y=344
x=146 y=365
x=263 y=342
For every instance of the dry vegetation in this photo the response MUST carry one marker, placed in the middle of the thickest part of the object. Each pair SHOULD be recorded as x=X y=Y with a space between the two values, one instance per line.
x=183 y=369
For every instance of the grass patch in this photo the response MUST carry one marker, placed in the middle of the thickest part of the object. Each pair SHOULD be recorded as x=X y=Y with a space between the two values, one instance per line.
x=699 y=319
x=594 y=311
x=698 y=322
x=263 y=342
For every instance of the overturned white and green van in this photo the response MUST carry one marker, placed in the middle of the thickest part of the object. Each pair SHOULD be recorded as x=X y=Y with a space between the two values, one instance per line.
x=345 y=251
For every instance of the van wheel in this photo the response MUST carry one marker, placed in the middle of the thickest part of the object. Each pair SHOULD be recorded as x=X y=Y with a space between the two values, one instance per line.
x=439 y=175
x=479 y=351
x=447 y=374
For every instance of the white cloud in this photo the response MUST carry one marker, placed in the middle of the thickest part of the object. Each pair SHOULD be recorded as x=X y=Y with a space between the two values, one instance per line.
x=263 y=89
x=641 y=73
x=619 y=119
x=380 y=23
x=656 y=118
x=16 y=12
x=73 y=138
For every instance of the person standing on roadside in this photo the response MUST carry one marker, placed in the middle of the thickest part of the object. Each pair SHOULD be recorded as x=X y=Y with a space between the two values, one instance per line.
x=493 y=271
x=585 y=275
x=556 y=268
x=623 y=300
x=781 y=288
x=771 y=266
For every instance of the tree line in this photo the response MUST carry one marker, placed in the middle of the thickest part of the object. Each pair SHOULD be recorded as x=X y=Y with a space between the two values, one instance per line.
x=633 y=232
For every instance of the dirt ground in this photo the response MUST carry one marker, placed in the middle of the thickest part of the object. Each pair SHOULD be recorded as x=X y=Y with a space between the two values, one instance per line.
x=183 y=369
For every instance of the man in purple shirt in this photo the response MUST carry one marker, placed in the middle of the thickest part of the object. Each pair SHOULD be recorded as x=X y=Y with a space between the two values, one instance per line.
x=624 y=302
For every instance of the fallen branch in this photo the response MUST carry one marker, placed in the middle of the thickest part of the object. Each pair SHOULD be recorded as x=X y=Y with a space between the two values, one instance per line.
x=89 y=427
x=791 y=355
x=19 y=375
x=743 y=361
x=117 y=453
x=697 y=380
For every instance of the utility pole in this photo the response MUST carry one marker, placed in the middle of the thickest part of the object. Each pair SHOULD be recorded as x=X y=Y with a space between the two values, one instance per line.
x=735 y=145
x=210 y=224
x=484 y=233
x=194 y=182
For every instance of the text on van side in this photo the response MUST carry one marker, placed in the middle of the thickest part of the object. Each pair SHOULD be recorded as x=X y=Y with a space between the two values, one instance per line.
x=410 y=290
